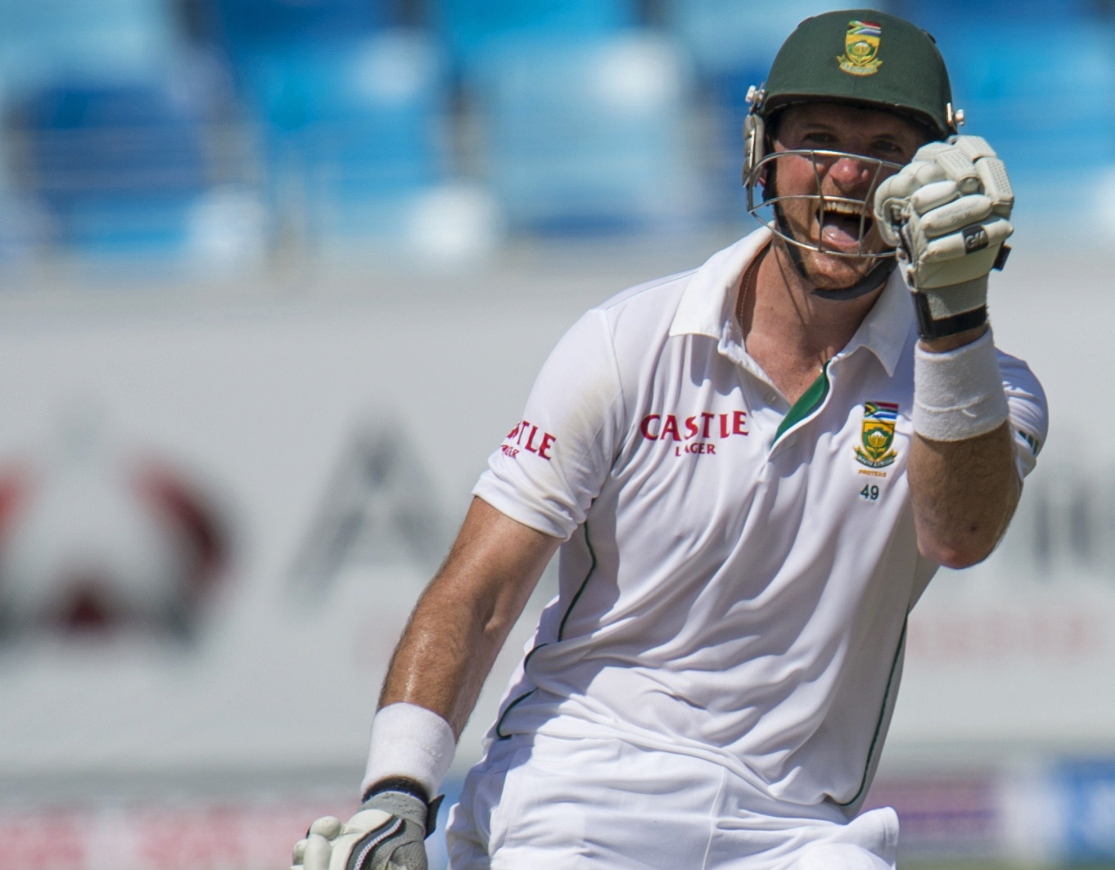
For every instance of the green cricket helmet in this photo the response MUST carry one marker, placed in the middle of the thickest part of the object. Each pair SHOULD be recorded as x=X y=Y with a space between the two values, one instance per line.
x=863 y=57
x=860 y=57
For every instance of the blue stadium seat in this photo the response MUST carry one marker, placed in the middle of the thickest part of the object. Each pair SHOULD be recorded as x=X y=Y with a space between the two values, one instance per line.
x=107 y=122
x=45 y=41
x=473 y=27
x=117 y=167
x=730 y=37
x=928 y=13
x=1041 y=93
x=587 y=134
x=353 y=129
x=252 y=27
x=19 y=231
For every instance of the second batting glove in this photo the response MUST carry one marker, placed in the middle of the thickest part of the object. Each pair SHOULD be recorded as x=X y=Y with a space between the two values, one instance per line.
x=388 y=833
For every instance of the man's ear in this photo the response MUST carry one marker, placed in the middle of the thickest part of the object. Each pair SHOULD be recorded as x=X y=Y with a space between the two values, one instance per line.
x=766 y=180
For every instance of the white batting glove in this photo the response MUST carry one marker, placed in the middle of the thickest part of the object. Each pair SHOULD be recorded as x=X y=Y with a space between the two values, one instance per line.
x=387 y=833
x=947 y=213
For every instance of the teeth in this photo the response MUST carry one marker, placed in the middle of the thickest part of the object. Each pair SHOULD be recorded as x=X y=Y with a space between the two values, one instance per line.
x=848 y=208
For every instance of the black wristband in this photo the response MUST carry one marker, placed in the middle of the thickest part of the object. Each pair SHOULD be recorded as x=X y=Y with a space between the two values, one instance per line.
x=406 y=785
x=403 y=784
x=929 y=328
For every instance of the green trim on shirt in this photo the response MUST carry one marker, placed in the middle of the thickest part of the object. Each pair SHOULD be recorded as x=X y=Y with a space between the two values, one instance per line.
x=879 y=721
x=809 y=402
x=581 y=589
x=560 y=636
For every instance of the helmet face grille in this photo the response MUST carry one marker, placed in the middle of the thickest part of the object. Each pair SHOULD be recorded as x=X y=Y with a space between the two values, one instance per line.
x=770 y=208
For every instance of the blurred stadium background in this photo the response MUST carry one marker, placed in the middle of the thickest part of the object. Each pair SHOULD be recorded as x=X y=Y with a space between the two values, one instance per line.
x=275 y=277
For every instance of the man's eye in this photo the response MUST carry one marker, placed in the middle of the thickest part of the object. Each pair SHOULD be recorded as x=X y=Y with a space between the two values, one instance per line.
x=887 y=147
x=819 y=138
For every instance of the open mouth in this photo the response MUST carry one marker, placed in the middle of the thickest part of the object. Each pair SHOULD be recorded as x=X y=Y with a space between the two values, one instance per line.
x=843 y=225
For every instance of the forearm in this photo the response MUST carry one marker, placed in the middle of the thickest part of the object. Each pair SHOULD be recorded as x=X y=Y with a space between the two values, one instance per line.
x=445 y=654
x=964 y=494
x=964 y=490
x=465 y=615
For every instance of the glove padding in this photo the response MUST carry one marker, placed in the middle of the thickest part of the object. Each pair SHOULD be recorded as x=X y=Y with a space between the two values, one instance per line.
x=388 y=833
x=947 y=213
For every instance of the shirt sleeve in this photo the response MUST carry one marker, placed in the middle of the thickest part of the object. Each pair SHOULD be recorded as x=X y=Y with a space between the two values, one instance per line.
x=1029 y=412
x=553 y=462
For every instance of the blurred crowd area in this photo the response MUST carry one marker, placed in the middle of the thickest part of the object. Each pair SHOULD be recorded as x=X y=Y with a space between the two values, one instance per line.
x=235 y=132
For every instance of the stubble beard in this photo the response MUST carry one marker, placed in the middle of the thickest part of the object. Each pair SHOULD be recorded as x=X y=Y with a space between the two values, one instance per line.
x=824 y=271
x=827 y=272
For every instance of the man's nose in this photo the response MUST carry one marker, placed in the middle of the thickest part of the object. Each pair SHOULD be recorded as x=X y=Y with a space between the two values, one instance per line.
x=851 y=172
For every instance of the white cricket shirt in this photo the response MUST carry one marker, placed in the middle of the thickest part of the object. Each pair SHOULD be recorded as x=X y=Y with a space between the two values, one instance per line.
x=736 y=573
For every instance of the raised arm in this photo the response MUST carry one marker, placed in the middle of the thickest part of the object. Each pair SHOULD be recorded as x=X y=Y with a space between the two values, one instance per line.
x=947 y=213
x=964 y=492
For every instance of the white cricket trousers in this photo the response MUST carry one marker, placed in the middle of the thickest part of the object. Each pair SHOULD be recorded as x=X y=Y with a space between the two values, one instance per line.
x=544 y=803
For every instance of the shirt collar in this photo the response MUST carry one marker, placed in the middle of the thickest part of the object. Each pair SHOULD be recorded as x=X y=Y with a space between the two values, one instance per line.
x=708 y=303
x=709 y=298
x=886 y=329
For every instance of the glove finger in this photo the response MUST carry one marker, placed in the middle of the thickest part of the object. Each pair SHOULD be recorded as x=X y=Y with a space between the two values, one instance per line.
x=960 y=244
x=933 y=196
x=317 y=853
x=888 y=214
x=955 y=164
x=889 y=234
x=920 y=174
x=930 y=150
x=975 y=148
x=892 y=207
x=888 y=189
x=912 y=176
x=996 y=183
x=954 y=215
x=327 y=826
x=298 y=854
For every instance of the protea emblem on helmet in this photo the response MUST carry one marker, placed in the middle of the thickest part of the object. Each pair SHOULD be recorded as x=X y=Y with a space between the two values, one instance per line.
x=877 y=437
x=861 y=49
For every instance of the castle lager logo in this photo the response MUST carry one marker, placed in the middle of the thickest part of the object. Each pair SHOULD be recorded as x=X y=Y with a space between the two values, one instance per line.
x=877 y=437
x=861 y=49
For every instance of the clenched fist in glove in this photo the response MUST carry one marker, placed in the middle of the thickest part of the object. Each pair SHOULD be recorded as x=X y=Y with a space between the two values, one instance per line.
x=947 y=213
x=386 y=834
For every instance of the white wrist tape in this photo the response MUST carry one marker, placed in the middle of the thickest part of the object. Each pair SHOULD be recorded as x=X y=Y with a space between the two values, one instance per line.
x=958 y=394
x=410 y=741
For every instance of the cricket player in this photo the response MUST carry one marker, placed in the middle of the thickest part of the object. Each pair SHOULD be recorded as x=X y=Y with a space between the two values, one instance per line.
x=751 y=471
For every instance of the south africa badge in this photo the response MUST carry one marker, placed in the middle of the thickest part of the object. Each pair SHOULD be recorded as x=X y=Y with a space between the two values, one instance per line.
x=877 y=437
x=861 y=49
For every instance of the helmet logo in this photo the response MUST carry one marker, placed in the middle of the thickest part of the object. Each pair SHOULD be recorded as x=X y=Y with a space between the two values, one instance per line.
x=861 y=49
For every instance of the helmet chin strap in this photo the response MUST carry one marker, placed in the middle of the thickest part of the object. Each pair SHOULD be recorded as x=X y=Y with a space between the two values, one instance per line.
x=874 y=277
